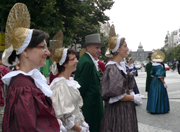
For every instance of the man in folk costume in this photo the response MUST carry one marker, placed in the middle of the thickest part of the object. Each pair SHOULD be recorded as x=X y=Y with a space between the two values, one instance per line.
x=148 y=70
x=87 y=76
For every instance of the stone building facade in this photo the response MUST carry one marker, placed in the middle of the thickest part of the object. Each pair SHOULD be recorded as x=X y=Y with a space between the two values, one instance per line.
x=140 y=54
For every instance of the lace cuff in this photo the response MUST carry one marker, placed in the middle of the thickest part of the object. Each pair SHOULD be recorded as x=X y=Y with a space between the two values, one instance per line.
x=70 y=122
x=62 y=128
x=116 y=99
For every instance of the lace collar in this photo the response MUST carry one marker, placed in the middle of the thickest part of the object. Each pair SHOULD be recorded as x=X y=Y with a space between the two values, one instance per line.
x=130 y=67
x=122 y=67
x=39 y=79
x=71 y=82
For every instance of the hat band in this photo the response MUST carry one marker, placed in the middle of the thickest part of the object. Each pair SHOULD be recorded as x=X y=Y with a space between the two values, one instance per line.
x=26 y=42
x=117 y=45
x=63 y=57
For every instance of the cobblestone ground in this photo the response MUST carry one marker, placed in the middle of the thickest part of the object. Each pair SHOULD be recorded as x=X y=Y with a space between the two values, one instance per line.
x=169 y=122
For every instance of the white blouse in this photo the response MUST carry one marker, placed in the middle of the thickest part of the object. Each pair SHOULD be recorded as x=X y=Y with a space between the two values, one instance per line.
x=67 y=101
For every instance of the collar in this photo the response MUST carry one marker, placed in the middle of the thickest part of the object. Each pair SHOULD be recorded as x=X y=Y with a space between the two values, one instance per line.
x=122 y=67
x=95 y=62
x=71 y=82
x=130 y=67
x=156 y=64
x=39 y=79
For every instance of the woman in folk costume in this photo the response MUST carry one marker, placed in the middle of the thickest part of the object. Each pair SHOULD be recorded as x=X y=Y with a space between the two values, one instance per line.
x=28 y=103
x=158 y=101
x=133 y=71
x=56 y=42
x=66 y=97
x=117 y=90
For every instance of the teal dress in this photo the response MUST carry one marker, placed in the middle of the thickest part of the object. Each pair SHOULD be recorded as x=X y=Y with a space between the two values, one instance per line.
x=158 y=101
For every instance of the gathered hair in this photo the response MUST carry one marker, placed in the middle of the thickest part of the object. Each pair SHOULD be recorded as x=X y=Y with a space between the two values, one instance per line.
x=62 y=68
x=37 y=37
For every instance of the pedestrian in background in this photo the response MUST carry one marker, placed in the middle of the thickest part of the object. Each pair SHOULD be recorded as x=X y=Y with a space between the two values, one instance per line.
x=148 y=71
x=133 y=71
x=117 y=90
x=158 y=101
x=28 y=103
x=88 y=77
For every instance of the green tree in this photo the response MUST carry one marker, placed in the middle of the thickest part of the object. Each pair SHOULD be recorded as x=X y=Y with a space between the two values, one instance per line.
x=76 y=19
x=171 y=54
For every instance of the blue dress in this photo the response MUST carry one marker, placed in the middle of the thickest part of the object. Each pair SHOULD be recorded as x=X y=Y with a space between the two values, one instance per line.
x=158 y=101
x=135 y=90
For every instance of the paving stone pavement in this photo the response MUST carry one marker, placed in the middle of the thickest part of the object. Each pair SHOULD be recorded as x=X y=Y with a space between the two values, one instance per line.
x=169 y=122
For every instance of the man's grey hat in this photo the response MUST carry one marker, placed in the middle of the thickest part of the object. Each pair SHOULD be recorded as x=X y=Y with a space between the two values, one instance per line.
x=92 y=39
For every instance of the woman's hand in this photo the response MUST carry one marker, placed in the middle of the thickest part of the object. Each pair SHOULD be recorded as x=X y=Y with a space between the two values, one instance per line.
x=165 y=85
x=84 y=124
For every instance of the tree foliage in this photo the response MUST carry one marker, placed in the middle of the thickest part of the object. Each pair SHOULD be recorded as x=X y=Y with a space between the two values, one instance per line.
x=75 y=18
x=171 y=54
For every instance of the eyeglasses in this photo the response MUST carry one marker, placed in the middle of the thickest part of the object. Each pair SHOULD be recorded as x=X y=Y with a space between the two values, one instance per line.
x=74 y=59
x=44 y=47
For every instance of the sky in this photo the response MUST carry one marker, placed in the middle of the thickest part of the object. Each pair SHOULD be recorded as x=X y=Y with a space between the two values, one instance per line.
x=145 y=21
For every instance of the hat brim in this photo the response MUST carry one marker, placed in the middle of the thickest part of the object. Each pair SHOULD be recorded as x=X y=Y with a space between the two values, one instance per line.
x=93 y=43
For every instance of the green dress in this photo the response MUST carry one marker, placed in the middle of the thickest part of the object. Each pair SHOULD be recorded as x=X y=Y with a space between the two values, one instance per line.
x=87 y=76
x=148 y=78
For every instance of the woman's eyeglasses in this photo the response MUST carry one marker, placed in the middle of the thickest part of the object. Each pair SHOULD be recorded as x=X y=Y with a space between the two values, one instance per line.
x=44 y=47
x=74 y=59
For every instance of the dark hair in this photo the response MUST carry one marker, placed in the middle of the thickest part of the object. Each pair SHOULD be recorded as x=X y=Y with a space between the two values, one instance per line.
x=121 y=43
x=62 y=68
x=37 y=37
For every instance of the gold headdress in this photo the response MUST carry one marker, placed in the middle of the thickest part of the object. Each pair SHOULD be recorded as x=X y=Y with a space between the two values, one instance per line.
x=55 y=43
x=17 y=35
x=108 y=54
x=83 y=50
x=58 y=54
x=114 y=42
x=128 y=58
x=158 y=56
